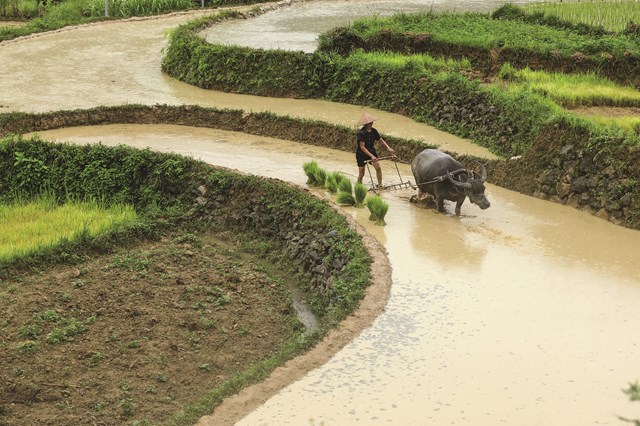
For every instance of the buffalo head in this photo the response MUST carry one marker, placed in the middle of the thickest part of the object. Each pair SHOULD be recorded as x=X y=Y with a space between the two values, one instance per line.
x=473 y=186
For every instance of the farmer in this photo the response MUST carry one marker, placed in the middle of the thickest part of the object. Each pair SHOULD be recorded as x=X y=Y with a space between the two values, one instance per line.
x=365 y=147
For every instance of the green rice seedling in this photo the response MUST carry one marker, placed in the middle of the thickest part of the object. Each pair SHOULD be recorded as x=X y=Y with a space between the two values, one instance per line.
x=27 y=227
x=574 y=90
x=333 y=181
x=610 y=15
x=320 y=176
x=331 y=184
x=310 y=168
x=378 y=208
x=345 y=198
x=360 y=191
x=345 y=186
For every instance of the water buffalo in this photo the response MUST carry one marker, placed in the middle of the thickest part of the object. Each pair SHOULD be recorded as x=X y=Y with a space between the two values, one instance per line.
x=442 y=176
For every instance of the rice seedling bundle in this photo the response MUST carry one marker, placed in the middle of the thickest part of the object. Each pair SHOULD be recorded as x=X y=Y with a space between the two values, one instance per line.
x=320 y=176
x=310 y=168
x=378 y=209
x=345 y=198
x=360 y=191
x=345 y=186
x=331 y=184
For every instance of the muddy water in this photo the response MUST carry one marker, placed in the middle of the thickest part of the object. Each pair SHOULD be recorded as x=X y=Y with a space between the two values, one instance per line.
x=525 y=313
x=520 y=314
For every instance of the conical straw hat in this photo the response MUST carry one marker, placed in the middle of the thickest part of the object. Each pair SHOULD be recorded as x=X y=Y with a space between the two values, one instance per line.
x=366 y=119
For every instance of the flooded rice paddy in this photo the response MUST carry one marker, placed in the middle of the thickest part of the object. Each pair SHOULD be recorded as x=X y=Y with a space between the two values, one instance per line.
x=525 y=313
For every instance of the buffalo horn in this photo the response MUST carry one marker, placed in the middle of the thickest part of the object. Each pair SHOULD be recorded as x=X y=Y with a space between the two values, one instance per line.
x=483 y=178
x=457 y=183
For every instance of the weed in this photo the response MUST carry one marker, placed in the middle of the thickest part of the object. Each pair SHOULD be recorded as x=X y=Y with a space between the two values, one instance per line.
x=29 y=346
x=30 y=331
x=161 y=378
x=48 y=316
x=204 y=367
x=243 y=330
x=208 y=322
x=126 y=407
x=96 y=358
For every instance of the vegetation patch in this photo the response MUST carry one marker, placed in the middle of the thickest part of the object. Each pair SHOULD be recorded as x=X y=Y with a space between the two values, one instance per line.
x=42 y=223
x=40 y=16
x=613 y=16
x=157 y=322
x=140 y=333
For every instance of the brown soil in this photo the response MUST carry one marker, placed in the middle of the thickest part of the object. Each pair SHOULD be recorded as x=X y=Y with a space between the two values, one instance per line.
x=149 y=329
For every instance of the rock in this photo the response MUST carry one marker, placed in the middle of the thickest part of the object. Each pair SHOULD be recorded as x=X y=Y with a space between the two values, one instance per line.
x=602 y=214
x=563 y=189
x=331 y=234
x=580 y=184
x=549 y=177
x=566 y=149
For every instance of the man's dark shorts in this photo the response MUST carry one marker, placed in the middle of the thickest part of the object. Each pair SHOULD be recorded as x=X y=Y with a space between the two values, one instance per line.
x=361 y=157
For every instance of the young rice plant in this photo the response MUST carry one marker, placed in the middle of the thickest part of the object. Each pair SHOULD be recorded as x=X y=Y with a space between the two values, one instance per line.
x=31 y=226
x=378 y=208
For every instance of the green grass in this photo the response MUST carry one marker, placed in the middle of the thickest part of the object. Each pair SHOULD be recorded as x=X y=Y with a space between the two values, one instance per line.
x=391 y=59
x=573 y=90
x=611 y=15
x=30 y=226
x=479 y=30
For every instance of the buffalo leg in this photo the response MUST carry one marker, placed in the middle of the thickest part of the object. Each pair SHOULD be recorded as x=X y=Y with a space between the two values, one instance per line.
x=458 y=205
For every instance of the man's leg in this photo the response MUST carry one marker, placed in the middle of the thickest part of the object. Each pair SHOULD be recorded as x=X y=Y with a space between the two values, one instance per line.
x=376 y=165
x=360 y=173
